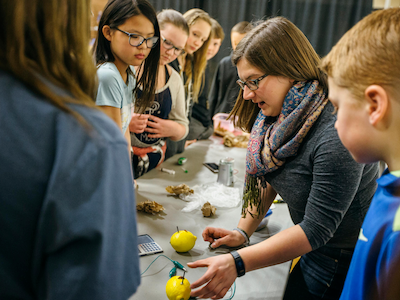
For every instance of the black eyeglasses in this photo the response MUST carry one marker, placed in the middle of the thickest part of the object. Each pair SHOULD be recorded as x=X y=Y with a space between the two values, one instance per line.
x=136 y=40
x=251 y=84
x=168 y=45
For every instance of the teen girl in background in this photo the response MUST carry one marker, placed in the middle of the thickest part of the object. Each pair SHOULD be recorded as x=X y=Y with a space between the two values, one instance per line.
x=166 y=114
x=192 y=65
x=201 y=127
x=128 y=36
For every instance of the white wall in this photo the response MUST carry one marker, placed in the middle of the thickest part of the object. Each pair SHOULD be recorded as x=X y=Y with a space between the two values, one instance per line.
x=381 y=3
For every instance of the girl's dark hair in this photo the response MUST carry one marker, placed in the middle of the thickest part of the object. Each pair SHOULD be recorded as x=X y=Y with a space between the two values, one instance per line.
x=276 y=47
x=115 y=13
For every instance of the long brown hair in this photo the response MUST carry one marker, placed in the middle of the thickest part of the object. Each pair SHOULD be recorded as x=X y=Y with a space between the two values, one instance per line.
x=196 y=63
x=276 y=47
x=49 y=39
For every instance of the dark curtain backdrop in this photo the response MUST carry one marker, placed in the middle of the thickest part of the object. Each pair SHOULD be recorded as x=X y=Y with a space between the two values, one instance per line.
x=322 y=21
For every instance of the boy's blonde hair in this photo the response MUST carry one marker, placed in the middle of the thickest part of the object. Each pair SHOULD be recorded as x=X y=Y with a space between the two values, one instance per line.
x=216 y=30
x=369 y=53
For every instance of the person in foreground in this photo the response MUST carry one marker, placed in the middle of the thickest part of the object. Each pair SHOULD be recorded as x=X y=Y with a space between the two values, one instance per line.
x=67 y=206
x=294 y=150
x=364 y=85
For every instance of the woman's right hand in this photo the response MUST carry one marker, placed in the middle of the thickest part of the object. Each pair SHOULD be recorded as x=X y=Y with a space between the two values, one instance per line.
x=219 y=236
x=138 y=123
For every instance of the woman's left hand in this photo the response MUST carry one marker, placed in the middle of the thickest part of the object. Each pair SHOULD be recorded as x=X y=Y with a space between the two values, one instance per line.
x=219 y=277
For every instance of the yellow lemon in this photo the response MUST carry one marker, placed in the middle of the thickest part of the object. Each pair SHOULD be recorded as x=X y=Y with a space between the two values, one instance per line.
x=178 y=288
x=183 y=241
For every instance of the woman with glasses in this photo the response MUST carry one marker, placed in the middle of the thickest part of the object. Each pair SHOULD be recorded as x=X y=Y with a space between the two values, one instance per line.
x=128 y=37
x=167 y=113
x=294 y=150
x=192 y=65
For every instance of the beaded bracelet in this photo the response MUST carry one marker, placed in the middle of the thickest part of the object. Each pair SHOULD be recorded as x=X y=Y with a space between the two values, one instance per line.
x=244 y=234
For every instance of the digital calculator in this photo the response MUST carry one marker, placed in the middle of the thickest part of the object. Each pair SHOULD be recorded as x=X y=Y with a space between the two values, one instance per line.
x=147 y=245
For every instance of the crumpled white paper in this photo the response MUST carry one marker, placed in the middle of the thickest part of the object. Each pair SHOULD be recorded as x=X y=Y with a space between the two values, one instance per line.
x=216 y=193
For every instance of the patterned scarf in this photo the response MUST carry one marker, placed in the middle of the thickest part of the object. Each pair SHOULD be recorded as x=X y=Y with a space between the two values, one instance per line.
x=273 y=140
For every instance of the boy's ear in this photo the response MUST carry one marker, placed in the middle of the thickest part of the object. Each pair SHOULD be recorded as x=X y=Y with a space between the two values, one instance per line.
x=106 y=32
x=377 y=99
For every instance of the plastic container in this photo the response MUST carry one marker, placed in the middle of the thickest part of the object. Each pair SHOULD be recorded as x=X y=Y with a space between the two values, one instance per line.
x=265 y=220
x=221 y=119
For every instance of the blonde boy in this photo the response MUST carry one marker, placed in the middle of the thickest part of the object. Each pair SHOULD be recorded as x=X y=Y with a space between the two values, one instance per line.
x=364 y=85
x=218 y=36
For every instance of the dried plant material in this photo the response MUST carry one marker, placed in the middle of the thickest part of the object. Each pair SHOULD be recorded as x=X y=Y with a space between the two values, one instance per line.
x=208 y=210
x=179 y=189
x=150 y=207
x=220 y=131
x=241 y=141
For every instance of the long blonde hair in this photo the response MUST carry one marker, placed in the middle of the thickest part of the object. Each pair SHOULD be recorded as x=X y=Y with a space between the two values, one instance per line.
x=49 y=39
x=196 y=63
x=276 y=47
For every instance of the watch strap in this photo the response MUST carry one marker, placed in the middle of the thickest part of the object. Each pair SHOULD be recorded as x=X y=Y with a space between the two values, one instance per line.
x=240 y=269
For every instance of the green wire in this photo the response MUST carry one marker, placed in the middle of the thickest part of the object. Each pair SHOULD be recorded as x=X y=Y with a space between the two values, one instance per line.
x=154 y=261
x=175 y=264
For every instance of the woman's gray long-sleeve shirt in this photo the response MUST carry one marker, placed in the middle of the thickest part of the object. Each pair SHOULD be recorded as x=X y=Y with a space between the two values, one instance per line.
x=327 y=192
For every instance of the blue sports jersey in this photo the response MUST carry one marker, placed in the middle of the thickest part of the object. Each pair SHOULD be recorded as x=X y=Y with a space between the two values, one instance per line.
x=375 y=267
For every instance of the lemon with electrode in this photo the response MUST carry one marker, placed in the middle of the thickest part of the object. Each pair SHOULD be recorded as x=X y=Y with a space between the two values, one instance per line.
x=182 y=240
x=178 y=288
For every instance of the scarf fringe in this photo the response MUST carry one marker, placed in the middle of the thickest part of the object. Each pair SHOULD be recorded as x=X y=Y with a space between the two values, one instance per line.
x=252 y=197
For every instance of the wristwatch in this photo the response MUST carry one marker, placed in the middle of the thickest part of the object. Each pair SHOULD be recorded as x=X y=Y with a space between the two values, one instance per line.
x=239 y=264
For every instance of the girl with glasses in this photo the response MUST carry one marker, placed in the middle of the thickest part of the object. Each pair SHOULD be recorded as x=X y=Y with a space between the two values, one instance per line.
x=128 y=37
x=294 y=150
x=192 y=65
x=166 y=114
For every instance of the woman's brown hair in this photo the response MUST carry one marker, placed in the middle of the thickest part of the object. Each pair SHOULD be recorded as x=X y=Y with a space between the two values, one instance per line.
x=49 y=40
x=276 y=47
